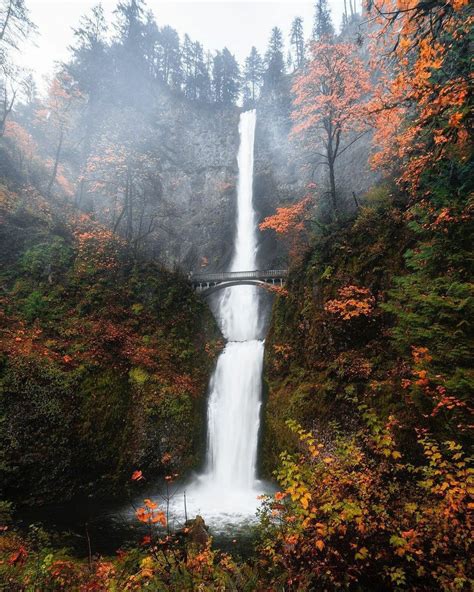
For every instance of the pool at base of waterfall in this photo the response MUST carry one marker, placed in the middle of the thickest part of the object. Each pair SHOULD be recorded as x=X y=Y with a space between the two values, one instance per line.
x=229 y=515
x=224 y=510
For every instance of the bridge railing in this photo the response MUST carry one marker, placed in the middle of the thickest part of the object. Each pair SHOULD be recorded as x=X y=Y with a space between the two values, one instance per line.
x=237 y=275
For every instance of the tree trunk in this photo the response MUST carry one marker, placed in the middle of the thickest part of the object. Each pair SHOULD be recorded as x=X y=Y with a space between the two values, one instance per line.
x=56 y=164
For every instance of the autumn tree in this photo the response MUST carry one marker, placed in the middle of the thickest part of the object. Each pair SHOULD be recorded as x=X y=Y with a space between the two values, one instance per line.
x=328 y=109
x=57 y=117
x=290 y=223
x=10 y=87
x=422 y=113
x=123 y=181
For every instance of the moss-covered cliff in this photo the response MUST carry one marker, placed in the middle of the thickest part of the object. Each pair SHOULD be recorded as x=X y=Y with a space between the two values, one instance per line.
x=104 y=359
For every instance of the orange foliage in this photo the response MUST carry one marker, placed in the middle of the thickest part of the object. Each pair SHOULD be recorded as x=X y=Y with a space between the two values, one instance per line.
x=150 y=514
x=419 y=117
x=290 y=223
x=331 y=90
x=354 y=302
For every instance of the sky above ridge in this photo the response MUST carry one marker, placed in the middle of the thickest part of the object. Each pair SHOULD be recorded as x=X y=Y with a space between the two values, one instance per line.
x=218 y=23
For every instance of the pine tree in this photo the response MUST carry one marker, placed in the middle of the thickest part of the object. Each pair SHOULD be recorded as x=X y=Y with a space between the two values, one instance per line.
x=130 y=51
x=89 y=54
x=323 y=28
x=15 y=25
x=151 y=49
x=202 y=79
x=297 y=41
x=274 y=60
x=253 y=75
x=130 y=25
x=187 y=60
x=170 y=57
x=225 y=78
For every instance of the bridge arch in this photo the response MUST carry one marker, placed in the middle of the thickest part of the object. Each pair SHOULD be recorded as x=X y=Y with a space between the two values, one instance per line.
x=228 y=284
x=208 y=283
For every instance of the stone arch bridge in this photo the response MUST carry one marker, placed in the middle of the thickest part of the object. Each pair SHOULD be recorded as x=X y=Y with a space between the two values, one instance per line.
x=207 y=283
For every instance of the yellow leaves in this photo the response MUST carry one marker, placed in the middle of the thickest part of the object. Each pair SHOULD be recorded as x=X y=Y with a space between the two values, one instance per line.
x=146 y=567
x=305 y=499
x=362 y=553
x=319 y=544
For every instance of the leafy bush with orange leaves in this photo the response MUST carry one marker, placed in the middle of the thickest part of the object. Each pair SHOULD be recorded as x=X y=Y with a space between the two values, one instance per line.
x=353 y=302
x=290 y=223
x=358 y=516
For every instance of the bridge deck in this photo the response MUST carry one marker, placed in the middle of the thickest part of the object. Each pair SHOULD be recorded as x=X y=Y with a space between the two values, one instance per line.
x=238 y=275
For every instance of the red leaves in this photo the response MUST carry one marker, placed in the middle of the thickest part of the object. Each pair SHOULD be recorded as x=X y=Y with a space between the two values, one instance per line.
x=19 y=556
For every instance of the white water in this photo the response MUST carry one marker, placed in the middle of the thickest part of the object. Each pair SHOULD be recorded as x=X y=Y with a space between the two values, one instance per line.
x=227 y=491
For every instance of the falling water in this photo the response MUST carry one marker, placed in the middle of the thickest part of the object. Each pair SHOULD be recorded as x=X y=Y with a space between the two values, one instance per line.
x=228 y=486
x=234 y=403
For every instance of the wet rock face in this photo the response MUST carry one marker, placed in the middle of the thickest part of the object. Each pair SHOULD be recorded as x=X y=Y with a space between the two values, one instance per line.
x=199 y=174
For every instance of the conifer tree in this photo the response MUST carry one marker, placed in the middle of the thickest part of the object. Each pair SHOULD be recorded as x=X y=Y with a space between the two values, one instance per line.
x=323 y=29
x=274 y=60
x=253 y=75
x=297 y=41
x=170 y=57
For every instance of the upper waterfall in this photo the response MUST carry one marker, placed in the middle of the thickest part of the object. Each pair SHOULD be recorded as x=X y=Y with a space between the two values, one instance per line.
x=238 y=311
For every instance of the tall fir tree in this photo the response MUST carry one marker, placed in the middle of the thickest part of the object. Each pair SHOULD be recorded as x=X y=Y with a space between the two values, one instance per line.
x=297 y=42
x=253 y=76
x=274 y=60
x=187 y=60
x=170 y=57
x=323 y=29
x=225 y=78
x=202 y=79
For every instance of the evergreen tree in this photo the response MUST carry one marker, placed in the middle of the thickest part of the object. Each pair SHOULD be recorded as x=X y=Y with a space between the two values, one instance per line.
x=225 y=78
x=130 y=25
x=170 y=57
x=322 y=27
x=202 y=79
x=130 y=50
x=187 y=60
x=151 y=49
x=253 y=75
x=274 y=60
x=297 y=41
x=89 y=55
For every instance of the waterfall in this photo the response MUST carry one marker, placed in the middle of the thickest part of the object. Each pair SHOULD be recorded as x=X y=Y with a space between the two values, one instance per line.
x=235 y=393
x=229 y=485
